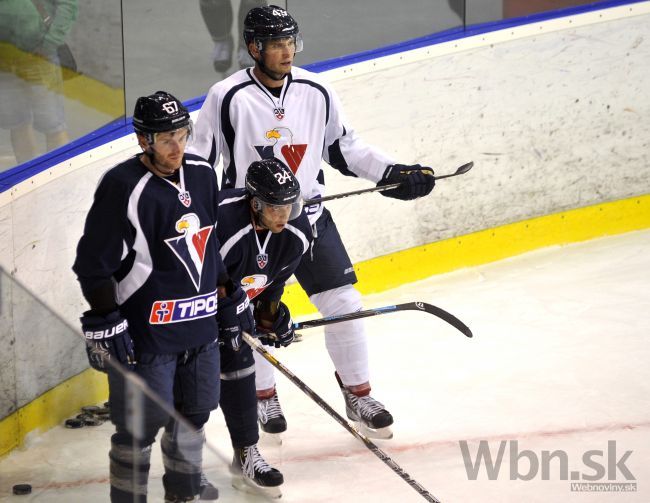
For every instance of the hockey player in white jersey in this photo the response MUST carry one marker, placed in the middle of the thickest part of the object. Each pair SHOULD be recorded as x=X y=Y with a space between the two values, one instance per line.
x=275 y=109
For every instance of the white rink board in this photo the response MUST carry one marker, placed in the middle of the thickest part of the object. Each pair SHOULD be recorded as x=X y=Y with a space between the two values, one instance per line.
x=552 y=121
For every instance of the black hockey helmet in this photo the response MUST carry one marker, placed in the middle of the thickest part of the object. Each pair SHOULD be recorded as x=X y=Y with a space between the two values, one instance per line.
x=268 y=22
x=159 y=113
x=270 y=182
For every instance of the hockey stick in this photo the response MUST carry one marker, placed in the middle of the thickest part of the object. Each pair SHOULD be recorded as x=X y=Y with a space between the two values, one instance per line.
x=462 y=170
x=409 y=306
x=257 y=346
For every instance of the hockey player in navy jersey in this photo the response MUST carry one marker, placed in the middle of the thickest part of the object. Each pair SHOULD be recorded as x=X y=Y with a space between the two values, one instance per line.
x=263 y=234
x=149 y=266
x=278 y=110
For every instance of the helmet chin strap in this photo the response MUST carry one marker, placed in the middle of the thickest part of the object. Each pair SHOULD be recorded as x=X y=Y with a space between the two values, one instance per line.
x=151 y=155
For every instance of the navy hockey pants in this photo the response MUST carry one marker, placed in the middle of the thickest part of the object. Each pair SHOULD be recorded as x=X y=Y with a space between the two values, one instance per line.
x=327 y=265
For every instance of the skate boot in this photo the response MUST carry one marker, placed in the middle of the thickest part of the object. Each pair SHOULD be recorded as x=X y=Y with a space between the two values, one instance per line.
x=252 y=471
x=222 y=55
x=208 y=491
x=243 y=58
x=370 y=417
x=269 y=413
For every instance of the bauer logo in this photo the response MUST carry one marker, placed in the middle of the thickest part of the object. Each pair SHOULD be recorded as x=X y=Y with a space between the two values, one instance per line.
x=597 y=470
x=177 y=310
x=108 y=333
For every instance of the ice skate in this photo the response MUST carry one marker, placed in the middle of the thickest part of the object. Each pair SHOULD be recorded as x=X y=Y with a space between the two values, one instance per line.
x=369 y=416
x=243 y=58
x=208 y=491
x=222 y=55
x=271 y=418
x=253 y=474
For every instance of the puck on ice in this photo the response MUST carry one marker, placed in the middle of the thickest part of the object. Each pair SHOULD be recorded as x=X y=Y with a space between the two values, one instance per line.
x=21 y=489
x=93 y=421
x=73 y=423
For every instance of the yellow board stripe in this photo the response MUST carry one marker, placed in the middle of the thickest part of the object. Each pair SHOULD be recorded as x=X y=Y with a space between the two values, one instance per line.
x=95 y=94
x=76 y=86
x=53 y=407
x=375 y=275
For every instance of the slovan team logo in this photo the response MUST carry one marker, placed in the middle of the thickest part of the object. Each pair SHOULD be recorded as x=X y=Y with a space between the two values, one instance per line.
x=282 y=147
x=254 y=284
x=190 y=246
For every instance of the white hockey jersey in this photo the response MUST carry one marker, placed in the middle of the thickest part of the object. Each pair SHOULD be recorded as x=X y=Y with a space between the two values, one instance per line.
x=241 y=122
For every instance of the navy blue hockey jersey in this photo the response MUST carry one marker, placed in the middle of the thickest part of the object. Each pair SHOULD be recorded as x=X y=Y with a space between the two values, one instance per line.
x=262 y=265
x=156 y=241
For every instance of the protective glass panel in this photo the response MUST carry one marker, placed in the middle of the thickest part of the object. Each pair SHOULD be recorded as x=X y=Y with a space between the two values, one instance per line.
x=334 y=30
x=203 y=44
x=61 y=74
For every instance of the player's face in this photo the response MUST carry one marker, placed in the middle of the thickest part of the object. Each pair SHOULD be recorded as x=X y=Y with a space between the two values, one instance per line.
x=168 y=150
x=274 y=217
x=278 y=56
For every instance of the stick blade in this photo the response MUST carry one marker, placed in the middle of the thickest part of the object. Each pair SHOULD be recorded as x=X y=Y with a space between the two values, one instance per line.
x=444 y=315
x=465 y=168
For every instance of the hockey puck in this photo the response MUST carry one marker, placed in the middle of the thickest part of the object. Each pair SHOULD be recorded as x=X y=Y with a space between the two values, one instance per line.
x=22 y=489
x=102 y=411
x=74 y=423
x=90 y=409
x=93 y=421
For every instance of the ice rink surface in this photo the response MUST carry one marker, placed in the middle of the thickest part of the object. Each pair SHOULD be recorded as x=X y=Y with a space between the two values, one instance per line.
x=558 y=366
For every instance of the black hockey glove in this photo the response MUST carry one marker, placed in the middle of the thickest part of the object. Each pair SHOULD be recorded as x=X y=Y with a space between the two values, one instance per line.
x=107 y=337
x=275 y=327
x=416 y=180
x=283 y=327
x=234 y=316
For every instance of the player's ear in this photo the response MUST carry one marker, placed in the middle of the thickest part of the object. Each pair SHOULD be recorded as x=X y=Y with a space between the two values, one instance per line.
x=256 y=204
x=255 y=52
x=142 y=141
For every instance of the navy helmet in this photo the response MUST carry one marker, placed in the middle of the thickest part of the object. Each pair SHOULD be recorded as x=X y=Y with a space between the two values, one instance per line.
x=269 y=22
x=159 y=113
x=270 y=182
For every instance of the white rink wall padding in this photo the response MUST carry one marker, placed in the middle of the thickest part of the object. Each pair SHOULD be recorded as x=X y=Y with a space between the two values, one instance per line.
x=555 y=116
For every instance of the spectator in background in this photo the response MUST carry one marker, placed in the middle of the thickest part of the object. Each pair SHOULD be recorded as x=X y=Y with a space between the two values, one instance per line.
x=218 y=17
x=31 y=82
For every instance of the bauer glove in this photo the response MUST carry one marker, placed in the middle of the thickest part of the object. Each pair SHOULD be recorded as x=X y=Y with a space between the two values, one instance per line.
x=416 y=181
x=107 y=337
x=234 y=316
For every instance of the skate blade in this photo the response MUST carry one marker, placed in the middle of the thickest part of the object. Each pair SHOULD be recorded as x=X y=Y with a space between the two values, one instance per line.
x=381 y=433
x=270 y=438
x=246 y=485
x=297 y=337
